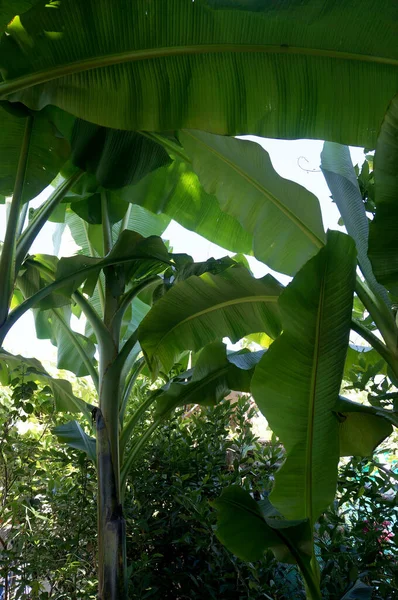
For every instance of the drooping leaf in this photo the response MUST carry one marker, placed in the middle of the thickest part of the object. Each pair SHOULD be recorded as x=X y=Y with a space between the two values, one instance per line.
x=65 y=400
x=199 y=310
x=214 y=376
x=176 y=191
x=359 y=591
x=54 y=324
x=340 y=176
x=246 y=531
x=75 y=352
x=177 y=64
x=362 y=428
x=297 y=382
x=144 y=222
x=116 y=158
x=47 y=153
x=283 y=217
x=138 y=256
x=383 y=238
x=90 y=208
x=71 y=433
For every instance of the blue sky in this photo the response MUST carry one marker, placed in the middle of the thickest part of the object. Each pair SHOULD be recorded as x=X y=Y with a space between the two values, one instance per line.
x=297 y=160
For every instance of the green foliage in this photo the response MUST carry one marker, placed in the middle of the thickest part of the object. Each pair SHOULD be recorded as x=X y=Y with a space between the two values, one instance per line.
x=357 y=536
x=275 y=209
x=184 y=64
x=47 y=513
x=297 y=382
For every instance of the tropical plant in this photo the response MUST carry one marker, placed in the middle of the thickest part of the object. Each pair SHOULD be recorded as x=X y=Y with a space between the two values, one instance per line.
x=86 y=89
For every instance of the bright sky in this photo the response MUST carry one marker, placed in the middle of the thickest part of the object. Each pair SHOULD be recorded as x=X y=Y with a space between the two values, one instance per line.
x=297 y=160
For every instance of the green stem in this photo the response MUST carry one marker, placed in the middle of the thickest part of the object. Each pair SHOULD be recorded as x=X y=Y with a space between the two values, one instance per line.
x=129 y=296
x=380 y=313
x=373 y=341
x=134 y=419
x=106 y=225
x=21 y=221
x=41 y=217
x=132 y=378
x=121 y=358
x=7 y=258
x=135 y=450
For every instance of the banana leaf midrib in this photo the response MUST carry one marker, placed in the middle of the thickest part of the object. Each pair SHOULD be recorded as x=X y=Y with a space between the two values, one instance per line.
x=107 y=60
x=311 y=408
x=284 y=209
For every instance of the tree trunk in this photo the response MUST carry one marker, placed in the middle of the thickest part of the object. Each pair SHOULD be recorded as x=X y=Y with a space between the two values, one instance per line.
x=111 y=523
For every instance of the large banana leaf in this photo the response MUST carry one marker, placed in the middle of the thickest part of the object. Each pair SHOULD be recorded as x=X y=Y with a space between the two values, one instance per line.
x=247 y=528
x=47 y=153
x=340 y=176
x=176 y=191
x=383 y=239
x=283 y=217
x=199 y=310
x=215 y=374
x=297 y=382
x=64 y=398
x=172 y=64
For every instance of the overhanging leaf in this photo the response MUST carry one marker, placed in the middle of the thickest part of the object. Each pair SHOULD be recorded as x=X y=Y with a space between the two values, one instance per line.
x=383 y=239
x=71 y=433
x=176 y=64
x=298 y=380
x=116 y=158
x=65 y=400
x=47 y=153
x=340 y=176
x=199 y=310
x=283 y=217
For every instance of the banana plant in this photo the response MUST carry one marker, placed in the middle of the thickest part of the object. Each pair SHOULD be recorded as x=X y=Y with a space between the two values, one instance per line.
x=114 y=95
